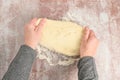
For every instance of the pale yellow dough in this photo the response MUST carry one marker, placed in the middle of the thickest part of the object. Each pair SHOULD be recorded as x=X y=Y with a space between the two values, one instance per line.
x=61 y=36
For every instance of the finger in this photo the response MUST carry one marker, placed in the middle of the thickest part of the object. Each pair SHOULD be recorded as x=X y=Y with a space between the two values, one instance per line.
x=86 y=33
x=41 y=25
x=32 y=22
x=92 y=34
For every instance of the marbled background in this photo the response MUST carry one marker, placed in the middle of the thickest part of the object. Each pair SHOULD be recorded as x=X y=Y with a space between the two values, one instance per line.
x=103 y=16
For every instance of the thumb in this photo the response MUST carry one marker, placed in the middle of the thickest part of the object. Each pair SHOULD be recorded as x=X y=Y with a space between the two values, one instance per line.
x=40 y=25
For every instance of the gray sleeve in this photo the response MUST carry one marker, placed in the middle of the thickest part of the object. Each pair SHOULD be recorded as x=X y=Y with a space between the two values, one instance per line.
x=20 y=67
x=87 y=69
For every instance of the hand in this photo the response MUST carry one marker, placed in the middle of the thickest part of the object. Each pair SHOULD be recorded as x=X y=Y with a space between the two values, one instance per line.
x=89 y=43
x=32 y=33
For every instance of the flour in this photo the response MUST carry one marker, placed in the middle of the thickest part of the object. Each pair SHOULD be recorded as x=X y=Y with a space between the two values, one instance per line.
x=54 y=58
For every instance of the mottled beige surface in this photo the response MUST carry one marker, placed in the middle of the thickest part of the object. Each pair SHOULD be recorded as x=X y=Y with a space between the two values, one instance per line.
x=103 y=16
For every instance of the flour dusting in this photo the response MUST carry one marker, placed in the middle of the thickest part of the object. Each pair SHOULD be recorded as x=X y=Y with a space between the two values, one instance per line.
x=54 y=58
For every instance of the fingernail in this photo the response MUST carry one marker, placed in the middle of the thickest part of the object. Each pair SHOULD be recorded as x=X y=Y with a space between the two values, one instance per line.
x=44 y=19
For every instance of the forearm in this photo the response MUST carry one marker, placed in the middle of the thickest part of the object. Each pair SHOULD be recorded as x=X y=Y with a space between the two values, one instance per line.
x=87 y=69
x=20 y=67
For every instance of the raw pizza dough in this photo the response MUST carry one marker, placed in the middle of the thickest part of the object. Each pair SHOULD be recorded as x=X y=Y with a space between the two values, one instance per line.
x=61 y=36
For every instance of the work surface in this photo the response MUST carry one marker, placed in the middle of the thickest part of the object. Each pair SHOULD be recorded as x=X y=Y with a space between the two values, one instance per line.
x=103 y=16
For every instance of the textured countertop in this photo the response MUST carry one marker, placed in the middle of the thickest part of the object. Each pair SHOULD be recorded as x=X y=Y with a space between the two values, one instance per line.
x=103 y=16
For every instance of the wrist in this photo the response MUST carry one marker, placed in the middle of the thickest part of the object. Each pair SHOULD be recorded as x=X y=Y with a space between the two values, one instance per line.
x=85 y=55
x=31 y=45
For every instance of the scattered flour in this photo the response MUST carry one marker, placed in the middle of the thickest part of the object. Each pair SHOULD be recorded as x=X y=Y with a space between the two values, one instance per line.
x=54 y=58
